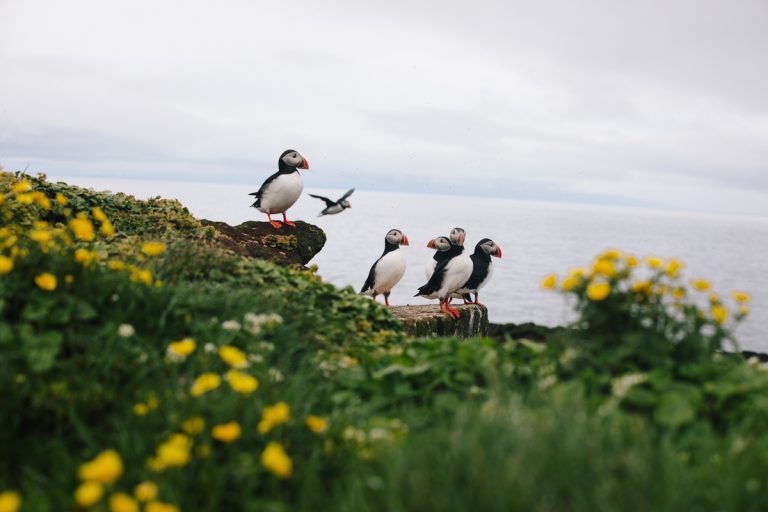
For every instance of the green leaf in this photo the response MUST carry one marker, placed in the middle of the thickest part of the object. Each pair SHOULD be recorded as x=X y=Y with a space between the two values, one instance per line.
x=675 y=409
x=39 y=349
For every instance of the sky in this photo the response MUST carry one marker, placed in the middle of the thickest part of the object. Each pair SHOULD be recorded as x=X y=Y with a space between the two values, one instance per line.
x=659 y=103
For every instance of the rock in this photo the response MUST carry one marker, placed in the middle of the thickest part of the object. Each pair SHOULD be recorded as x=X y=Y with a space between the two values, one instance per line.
x=428 y=321
x=528 y=330
x=285 y=246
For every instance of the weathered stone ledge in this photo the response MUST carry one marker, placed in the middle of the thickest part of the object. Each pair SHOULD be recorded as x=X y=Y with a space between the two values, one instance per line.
x=428 y=321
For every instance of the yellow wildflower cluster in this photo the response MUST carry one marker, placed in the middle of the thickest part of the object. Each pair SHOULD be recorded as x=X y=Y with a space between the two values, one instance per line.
x=242 y=382
x=274 y=415
x=205 y=383
x=10 y=501
x=182 y=348
x=226 y=432
x=612 y=272
x=153 y=248
x=173 y=453
x=103 y=470
x=316 y=424
x=276 y=460
x=233 y=356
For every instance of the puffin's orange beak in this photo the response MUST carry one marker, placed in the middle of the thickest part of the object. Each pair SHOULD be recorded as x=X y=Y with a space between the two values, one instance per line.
x=304 y=164
x=431 y=244
x=498 y=251
x=405 y=240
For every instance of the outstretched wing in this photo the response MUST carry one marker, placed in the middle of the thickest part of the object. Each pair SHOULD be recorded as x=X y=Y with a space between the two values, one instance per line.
x=261 y=190
x=349 y=193
x=328 y=202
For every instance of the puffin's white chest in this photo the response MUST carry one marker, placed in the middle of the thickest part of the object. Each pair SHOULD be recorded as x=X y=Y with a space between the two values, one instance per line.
x=333 y=209
x=430 y=268
x=388 y=272
x=281 y=193
x=457 y=272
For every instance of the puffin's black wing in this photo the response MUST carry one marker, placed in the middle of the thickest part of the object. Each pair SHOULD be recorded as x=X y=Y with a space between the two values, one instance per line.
x=328 y=202
x=479 y=271
x=262 y=189
x=349 y=193
x=371 y=278
x=434 y=283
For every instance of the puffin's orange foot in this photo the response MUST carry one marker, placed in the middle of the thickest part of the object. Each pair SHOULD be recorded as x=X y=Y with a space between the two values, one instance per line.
x=453 y=312
x=275 y=224
x=289 y=223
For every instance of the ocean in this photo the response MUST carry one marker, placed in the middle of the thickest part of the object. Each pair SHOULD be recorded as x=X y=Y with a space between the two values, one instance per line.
x=536 y=239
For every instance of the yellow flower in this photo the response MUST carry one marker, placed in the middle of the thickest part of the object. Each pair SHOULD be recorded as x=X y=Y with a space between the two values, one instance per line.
x=25 y=198
x=226 y=432
x=274 y=415
x=21 y=186
x=714 y=298
x=141 y=276
x=159 y=506
x=41 y=199
x=193 y=425
x=107 y=229
x=99 y=214
x=598 y=290
x=673 y=267
x=611 y=254
x=205 y=383
x=46 y=281
x=141 y=409
x=89 y=493
x=82 y=228
x=604 y=267
x=174 y=452
x=105 y=468
x=678 y=293
x=701 y=284
x=276 y=460
x=61 y=199
x=40 y=236
x=85 y=257
x=654 y=262
x=642 y=287
x=10 y=501
x=743 y=310
x=182 y=347
x=153 y=248
x=145 y=491
x=570 y=282
x=549 y=282
x=741 y=297
x=6 y=264
x=121 y=502
x=242 y=382
x=316 y=424
x=719 y=313
x=116 y=265
x=233 y=356
x=2 y=199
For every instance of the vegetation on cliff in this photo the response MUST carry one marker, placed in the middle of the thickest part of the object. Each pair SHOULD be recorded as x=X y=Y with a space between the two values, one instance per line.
x=143 y=366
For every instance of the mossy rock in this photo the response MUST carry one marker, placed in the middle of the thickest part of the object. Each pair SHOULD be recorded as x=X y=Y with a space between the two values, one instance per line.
x=429 y=321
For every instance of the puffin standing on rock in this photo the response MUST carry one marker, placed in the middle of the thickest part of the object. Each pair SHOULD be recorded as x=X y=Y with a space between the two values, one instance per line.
x=281 y=190
x=454 y=247
x=387 y=271
x=482 y=268
x=448 y=277
x=332 y=207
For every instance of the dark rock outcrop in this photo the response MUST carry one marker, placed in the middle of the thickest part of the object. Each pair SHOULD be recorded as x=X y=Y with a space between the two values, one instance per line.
x=528 y=330
x=428 y=321
x=285 y=246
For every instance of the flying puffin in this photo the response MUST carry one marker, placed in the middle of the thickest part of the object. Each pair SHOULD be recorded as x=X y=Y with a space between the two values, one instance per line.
x=387 y=271
x=449 y=276
x=333 y=207
x=455 y=247
x=281 y=190
x=482 y=269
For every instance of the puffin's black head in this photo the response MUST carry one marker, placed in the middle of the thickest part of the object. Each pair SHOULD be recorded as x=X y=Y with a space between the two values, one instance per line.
x=396 y=237
x=345 y=204
x=457 y=236
x=291 y=160
x=489 y=247
x=440 y=243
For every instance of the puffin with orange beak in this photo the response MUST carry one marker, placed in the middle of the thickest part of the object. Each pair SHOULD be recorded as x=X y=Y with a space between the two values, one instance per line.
x=387 y=271
x=482 y=269
x=281 y=190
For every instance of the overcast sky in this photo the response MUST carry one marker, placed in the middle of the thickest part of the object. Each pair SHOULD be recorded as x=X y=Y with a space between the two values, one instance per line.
x=645 y=103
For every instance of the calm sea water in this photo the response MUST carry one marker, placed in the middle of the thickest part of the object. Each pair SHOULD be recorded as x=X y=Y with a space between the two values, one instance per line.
x=536 y=239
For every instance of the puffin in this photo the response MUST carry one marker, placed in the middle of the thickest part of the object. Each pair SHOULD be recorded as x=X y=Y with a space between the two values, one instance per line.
x=281 y=190
x=455 y=247
x=449 y=276
x=386 y=271
x=482 y=268
x=334 y=207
